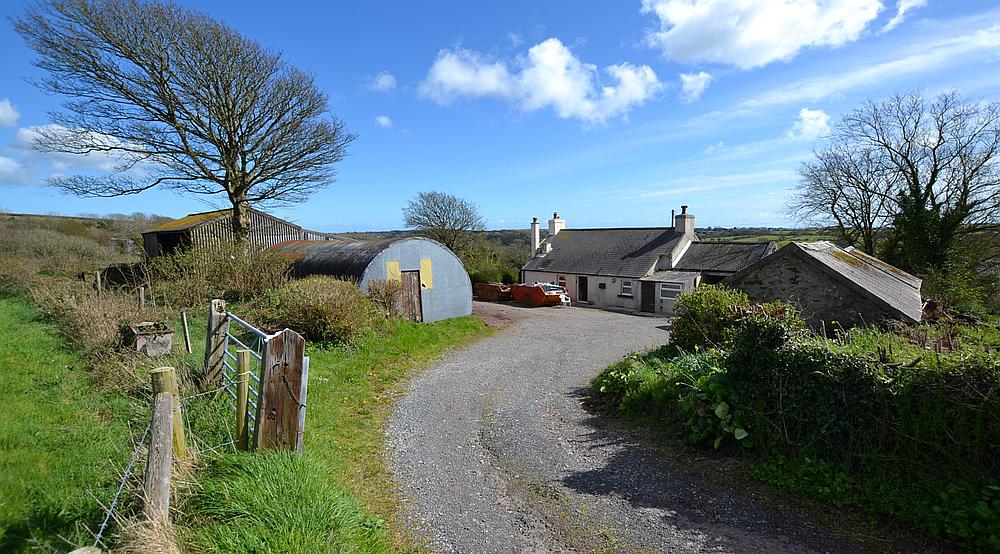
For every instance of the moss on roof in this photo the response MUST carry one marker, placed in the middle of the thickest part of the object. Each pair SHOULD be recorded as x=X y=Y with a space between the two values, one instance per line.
x=187 y=222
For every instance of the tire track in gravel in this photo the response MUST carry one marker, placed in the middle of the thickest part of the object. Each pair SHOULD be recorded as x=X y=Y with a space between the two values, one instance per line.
x=494 y=452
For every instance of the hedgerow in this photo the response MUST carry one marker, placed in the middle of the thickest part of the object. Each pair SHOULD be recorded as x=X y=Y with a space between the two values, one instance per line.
x=886 y=420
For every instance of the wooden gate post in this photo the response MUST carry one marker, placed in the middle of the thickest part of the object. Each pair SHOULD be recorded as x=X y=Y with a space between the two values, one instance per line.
x=156 y=483
x=165 y=380
x=242 y=399
x=215 y=342
x=276 y=426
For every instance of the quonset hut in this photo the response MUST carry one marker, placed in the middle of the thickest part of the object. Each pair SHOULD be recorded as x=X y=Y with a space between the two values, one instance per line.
x=435 y=283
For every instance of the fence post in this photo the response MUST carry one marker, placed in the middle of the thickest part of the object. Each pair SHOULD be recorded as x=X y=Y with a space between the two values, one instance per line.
x=165 y=380
x=302 y=404
x=187 y=332
x=156 y=483
x=215 y=342
x=242 y=398
x=277 y=419
x=142 y=297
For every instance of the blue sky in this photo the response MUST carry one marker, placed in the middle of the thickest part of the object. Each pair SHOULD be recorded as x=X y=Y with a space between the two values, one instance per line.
x=611 y=113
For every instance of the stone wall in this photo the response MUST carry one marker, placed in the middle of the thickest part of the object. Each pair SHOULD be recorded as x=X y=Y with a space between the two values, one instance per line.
x=818 y=296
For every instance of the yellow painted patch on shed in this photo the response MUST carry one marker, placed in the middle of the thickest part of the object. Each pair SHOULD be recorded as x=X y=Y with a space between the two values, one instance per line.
x=392 y=272
x=426 y=273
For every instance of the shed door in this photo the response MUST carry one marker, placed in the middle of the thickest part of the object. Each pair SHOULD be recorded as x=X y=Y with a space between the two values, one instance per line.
x=648 y=299
x=411 y=295
x=582 y=289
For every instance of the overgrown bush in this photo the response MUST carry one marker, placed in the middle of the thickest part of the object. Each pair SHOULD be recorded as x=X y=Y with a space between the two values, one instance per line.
x=706 y=316
x=386 y=294
x=321 y=308
x=236 y=273
x=86 y=319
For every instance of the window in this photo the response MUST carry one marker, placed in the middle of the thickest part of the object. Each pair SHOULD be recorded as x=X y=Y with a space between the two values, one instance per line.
x=669 y=291
x=561 y=281
x=626 y=288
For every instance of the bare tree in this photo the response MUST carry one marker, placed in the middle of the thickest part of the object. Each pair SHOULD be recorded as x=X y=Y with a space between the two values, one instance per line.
x=179 y=100
x=445 y=218
x=937 y=160
x=849 y=190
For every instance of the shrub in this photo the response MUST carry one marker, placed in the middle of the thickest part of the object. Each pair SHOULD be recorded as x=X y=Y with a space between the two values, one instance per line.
x=706 y=316
x=386 y=295
x=236 y=273
x=87 y=320
x=486 y=276
x=321 y=308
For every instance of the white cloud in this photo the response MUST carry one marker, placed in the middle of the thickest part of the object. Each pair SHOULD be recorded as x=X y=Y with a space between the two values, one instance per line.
x=383 y=82
x=902 y=7
x=24 y=145
x=754 y=33
x=11 y=171
x=715 y=147
x=693 y=85
x=926 y=56
x=550 y=76
x=515 y=39
x=810 y=125
x=383 y=121
x=8 y=114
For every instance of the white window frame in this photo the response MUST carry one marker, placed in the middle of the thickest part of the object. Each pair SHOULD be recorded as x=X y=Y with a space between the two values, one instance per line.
x=670 y=291
x=561 y=281
x=626 y=283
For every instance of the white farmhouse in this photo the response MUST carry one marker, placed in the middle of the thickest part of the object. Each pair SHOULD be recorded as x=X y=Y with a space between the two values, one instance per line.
x=635 y=269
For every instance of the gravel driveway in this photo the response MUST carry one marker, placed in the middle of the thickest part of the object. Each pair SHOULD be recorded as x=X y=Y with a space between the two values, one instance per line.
x=495 y=453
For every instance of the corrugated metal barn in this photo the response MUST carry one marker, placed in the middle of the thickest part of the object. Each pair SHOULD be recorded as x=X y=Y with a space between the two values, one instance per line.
x=435 y=283
x=212 y=228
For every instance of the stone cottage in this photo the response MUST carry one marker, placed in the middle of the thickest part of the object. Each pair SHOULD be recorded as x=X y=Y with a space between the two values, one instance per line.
x=633 y=269
x=828 y=283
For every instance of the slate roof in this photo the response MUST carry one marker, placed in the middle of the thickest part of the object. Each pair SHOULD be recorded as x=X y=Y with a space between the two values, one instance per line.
x=891 y=286
x=622 y=252
x=722 y=257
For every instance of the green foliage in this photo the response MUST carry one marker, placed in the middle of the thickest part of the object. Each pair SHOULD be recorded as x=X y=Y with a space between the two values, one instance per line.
x=705 y=317
x=811 y=476
x=236 y=273
x=276 y=502
x=903 y=423
x=321 y=308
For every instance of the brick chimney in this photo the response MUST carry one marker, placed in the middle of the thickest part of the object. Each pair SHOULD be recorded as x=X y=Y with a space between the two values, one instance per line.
x=535 y=239
x=684 y=223
x=556 y=224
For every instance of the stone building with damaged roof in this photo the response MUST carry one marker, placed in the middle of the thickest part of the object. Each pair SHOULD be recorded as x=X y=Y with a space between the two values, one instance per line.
x=634 y=269
x=828 y=283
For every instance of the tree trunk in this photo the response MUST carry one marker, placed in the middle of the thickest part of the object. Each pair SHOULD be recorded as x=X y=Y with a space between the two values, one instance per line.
x=241 y=219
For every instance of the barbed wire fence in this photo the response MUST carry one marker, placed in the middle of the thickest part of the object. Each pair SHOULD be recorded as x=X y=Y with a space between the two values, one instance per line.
x=241 y=357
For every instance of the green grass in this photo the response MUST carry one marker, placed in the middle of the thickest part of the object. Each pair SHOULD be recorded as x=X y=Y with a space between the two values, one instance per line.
x=277 y=502
x=339 y=496
x=62 y=442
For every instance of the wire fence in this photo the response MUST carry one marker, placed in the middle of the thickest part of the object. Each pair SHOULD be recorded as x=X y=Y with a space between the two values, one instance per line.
x=235 y=335
x=112 y=507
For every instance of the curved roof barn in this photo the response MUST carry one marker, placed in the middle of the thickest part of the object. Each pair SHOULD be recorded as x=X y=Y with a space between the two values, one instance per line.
x=435 y=283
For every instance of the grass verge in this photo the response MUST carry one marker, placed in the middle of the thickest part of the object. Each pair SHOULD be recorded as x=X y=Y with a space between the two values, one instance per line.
x=61 y=442
x=339 y=496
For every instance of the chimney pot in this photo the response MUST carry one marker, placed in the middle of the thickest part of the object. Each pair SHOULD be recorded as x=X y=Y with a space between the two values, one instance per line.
x=684 y=209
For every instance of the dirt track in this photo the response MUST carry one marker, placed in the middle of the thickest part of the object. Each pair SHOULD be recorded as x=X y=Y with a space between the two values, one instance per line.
x=495 y=452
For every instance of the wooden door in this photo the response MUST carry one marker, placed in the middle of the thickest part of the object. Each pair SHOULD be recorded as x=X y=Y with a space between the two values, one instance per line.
x=581 y=290
x=648 y=300
x=412 y=308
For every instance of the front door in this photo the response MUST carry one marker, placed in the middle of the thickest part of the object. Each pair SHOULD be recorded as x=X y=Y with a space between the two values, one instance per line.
x=412 y=308
x=581 y=289
x=648 y=300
